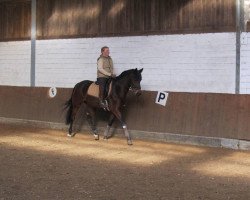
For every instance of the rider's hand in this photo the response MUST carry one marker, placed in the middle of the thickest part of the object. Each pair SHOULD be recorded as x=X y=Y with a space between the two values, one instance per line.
x=113 y=75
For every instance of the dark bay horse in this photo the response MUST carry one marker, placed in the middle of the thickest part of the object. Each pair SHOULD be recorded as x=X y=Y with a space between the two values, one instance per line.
x=129 y=79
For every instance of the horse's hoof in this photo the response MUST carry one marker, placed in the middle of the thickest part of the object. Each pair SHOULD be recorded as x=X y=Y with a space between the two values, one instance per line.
x=130 y=142
x=105 y=137
x=96 y=137
x=70 y=135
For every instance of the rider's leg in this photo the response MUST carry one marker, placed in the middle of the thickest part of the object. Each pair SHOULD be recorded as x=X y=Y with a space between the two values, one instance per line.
x=102 y=85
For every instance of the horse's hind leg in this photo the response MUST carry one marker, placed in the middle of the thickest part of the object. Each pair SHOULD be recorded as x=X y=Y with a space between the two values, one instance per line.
x=90 y=114
x=111 y=120
x=70 y=128
x=73 y=115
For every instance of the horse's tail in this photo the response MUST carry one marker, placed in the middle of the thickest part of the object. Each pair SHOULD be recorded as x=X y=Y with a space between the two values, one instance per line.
x=68 y=105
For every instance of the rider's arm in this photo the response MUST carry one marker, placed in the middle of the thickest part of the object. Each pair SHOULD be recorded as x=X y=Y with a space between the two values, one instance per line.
x=100 y=68
x=111 y=66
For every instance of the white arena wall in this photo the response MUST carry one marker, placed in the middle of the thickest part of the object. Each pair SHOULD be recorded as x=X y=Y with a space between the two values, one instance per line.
x=245 y=64
x=15 y=61
x=182 y=63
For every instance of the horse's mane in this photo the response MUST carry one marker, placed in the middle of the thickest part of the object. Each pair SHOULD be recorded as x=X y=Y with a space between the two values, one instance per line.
x=124 y=73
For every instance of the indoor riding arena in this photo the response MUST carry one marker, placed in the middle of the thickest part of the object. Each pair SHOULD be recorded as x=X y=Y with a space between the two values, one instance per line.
x=179 y=97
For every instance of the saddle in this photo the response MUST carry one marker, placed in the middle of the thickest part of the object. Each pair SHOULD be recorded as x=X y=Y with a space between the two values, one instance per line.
x=93 y=89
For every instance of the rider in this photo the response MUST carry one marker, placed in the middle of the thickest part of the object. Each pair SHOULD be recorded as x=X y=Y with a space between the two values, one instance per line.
x=104 y=72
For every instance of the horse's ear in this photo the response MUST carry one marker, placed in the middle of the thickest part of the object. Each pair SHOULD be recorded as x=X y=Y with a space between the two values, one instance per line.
x=136 y=69
x=140 y=71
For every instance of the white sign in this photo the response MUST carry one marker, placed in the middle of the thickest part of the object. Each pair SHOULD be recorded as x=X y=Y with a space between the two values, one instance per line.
x=161 y=98
x=52 y=92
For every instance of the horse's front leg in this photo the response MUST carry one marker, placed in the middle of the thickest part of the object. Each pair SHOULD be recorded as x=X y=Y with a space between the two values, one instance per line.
x=118 y=114
x=111 y=120
x=129 y=140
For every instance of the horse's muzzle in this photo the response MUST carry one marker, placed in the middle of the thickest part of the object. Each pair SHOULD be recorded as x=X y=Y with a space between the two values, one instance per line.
x=136 y=91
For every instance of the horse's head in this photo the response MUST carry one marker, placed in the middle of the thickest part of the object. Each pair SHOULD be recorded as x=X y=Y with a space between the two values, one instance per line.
x=136 y=81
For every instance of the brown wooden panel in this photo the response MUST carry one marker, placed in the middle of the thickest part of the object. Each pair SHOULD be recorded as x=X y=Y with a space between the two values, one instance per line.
x=244 y=117
x=15 y=20
x=32 y=103
x=211 y=115
x=90 y=18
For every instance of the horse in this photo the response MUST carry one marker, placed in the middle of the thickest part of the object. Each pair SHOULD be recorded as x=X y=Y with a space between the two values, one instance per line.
x=120 y=85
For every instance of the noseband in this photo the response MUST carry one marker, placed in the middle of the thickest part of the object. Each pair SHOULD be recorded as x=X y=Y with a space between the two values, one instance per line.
x=135 y=90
